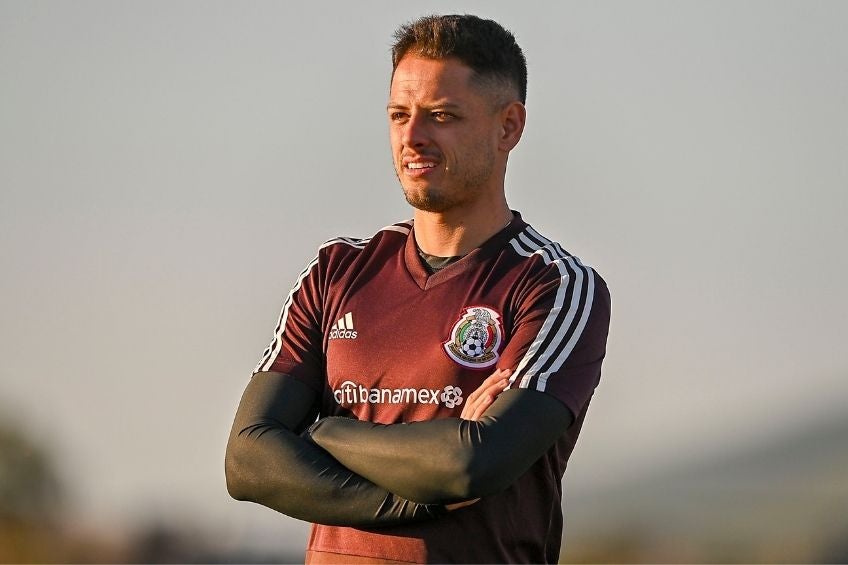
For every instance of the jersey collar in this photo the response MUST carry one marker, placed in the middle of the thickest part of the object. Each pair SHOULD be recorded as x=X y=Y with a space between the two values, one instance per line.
x=490 y=247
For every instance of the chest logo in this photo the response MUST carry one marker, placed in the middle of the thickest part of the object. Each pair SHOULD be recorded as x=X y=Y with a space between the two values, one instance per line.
x=343 y=328
x=476 y=338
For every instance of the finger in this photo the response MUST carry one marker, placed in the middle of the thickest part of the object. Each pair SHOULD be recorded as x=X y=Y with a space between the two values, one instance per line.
x=483 y=397
x=494 y=389
x=474 y=410
x=491 y=382
x=479 y=390
x=496 y=386
x=470 y=406
x=467 y=411
x=491 y=387
x=481 y=406
x=489 y=397
x=458 y=505
x=473 y=407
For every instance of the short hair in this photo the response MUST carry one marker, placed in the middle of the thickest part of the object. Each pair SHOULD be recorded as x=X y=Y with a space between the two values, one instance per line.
x=483 y=45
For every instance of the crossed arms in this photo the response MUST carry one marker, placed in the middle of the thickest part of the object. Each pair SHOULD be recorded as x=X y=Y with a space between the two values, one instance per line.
x=342 y=471
x=347 y=472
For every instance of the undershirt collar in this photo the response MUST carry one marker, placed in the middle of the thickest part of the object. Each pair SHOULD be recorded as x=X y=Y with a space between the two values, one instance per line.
x=425 y=277
x=434 y=263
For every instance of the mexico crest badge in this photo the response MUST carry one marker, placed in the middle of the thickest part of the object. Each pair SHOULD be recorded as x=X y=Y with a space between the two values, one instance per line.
x=476 y=338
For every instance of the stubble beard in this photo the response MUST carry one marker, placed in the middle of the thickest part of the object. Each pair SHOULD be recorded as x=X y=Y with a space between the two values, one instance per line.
x=456 y=189
x=431 y=199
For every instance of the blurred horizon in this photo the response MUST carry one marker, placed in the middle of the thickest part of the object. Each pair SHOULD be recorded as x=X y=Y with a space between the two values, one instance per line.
x=727 y=507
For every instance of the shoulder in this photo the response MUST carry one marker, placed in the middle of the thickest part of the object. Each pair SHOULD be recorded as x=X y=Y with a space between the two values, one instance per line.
x=393 y=234
x=564 y=309
x=547 y=260
x=342 y=244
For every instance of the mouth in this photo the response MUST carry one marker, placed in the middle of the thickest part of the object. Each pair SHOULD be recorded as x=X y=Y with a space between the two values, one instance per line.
x=417 y=167
x=425 y=165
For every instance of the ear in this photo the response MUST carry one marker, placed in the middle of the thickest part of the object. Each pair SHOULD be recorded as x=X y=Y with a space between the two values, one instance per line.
x=513 y=117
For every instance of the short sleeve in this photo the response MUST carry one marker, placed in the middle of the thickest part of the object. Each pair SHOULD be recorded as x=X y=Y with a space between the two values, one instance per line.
x=559 y=335
x=296 y=347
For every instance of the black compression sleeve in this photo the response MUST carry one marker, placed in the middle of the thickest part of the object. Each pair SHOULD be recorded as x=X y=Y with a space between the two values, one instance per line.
x=267 y=462
x=440 y=461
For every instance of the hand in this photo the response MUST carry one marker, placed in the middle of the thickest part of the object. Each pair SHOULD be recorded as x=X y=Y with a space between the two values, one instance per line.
x=477 y=403
x=479 y=400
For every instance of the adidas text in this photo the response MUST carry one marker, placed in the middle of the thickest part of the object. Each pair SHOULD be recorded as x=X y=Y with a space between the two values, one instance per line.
x=343 y=328
x=336 y=333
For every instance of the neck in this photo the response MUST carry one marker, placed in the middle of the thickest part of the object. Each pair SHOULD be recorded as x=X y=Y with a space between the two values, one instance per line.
x=459 y=231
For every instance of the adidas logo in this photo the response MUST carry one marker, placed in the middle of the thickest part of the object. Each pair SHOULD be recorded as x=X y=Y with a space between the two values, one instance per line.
x=343 y=328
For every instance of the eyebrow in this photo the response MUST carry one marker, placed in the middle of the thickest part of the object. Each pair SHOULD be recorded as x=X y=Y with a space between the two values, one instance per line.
x=445 y=105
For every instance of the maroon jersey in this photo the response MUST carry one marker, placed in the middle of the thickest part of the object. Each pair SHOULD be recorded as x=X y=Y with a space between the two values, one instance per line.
x=383 y=340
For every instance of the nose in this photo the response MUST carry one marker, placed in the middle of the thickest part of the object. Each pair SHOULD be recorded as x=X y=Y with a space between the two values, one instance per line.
x=415 y=132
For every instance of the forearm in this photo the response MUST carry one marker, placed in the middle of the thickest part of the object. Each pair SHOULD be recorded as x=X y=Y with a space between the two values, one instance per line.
x=450 y=459
x=268 y=463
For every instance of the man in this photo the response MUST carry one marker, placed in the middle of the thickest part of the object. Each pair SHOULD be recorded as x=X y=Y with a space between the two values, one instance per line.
x=385 y=338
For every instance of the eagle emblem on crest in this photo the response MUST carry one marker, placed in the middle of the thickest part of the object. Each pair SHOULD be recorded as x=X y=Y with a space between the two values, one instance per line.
x=476 y=338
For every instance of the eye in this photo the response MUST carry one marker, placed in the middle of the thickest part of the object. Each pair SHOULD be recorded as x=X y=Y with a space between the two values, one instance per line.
x=440 y=116
x=398 y=117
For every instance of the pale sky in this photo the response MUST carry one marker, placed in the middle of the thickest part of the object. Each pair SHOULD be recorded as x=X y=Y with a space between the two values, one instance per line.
x=166 y=169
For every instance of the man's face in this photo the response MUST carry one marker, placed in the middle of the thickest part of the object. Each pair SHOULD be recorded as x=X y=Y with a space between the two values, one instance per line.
x=444 y=134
